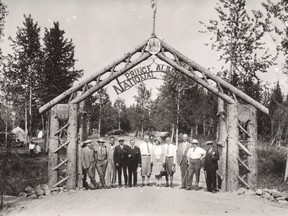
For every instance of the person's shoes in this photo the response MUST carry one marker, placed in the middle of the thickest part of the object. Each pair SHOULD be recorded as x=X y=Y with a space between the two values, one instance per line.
x=142 y=185
x=171 y=185
x=214 y=191
x=197 y=188
x=167 y=185
x=182 y=187
x=148 y=184
x=188 y=188
x=119 y=186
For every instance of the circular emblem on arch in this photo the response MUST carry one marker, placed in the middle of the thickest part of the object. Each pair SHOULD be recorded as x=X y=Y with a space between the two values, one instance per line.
x=153 y=46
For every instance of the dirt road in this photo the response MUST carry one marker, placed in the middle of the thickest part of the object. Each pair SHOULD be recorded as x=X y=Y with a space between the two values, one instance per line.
x=146 y=201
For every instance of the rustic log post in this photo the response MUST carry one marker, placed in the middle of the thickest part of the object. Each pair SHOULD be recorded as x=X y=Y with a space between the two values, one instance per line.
x=53 y=144
x=83 y=137
x=232 y=147
x=72 y=146
x=252 y=147
x=222 y=144
x=286 y=170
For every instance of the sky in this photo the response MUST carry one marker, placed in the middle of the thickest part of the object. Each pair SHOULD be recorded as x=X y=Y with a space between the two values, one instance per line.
x=103 y=30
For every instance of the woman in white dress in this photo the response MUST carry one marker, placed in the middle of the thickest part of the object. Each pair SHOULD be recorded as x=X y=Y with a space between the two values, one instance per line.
x=158 y=158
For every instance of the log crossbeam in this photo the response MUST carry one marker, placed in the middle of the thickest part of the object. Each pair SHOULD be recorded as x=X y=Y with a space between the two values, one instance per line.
x=60 y=164
x=63 y=145
x=243 y=164
x=243 y=182
x=244 y=148
x=243 y=129
x=61 y=181
x=61 y=129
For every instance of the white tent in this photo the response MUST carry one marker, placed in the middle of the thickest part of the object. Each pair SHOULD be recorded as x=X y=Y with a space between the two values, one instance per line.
x=20 y=134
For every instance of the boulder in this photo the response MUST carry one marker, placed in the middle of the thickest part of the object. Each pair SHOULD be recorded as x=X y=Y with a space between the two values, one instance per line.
x=31 y=193
x=65 y=190
x=22 y=194
x=283 y=202
x=56 y=189
x=249 y=193
x=38 y=187
x=259 y=192
x=280 y=198
x=39 y=192
x=33 y=196
x=267 y=196
x=241 y=191
x=45 y=187
x=28 y=189
x=276 y=194
x=47 y=192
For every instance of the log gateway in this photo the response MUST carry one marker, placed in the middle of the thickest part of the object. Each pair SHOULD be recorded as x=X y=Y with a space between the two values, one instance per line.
x=137 y=75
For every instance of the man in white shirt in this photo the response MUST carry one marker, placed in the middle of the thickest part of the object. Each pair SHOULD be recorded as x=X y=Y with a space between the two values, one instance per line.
x=170 y=160
x=194 y=155
x=146 y=159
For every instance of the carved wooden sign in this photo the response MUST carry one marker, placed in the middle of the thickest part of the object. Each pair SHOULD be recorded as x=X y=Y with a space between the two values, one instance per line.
x=137 y=75
x=244 y=113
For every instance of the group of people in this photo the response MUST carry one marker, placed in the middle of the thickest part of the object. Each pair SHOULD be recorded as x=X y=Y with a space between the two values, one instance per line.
x=148 y=158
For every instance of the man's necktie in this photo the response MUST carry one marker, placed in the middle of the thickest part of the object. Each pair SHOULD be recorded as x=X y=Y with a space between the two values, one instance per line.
x=194 y=149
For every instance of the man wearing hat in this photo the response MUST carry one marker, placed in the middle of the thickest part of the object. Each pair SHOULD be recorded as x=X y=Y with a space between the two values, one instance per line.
x=121 y=153
x=211 y=166
x=88 y=163
x=195 y=154
x=100 y=151
x=182 y=160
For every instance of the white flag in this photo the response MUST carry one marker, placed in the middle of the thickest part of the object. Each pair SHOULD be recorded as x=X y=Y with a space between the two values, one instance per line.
x=154 y=5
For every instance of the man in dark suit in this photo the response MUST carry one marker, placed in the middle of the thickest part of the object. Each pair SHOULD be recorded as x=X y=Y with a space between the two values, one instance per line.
x=134 y=162
x=182 y=160
x=121 y=160
x=211 y=166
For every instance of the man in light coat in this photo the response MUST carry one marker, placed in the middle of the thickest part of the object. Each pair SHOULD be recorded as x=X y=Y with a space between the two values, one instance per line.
x=182 y=160
x=111 y=169
x=88 y=164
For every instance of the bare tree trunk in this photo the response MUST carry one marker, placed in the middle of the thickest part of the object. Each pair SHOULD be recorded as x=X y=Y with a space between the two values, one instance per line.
x=196 y=130
x=286 y=170
x=142 y=126
x=119 y=115
x=172 y=132
x=99 y=123
x=26 y=124
x=191 y=132
x=177 y=119
x=30 y=113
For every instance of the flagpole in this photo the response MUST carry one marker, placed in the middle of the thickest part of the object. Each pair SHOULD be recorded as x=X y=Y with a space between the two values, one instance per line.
x=154 y=21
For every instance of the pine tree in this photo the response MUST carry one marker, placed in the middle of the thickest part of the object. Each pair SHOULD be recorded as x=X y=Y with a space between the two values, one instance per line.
x=59 y=71
x=23 y=70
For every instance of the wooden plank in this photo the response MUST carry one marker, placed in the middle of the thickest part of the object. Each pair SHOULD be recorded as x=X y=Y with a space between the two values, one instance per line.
x=90 y=78
x=53 y=144
x=109 y=79
x=217 y=79
x=72 y=147
x=61 y=181
x=244 y=148
x=196 y=78
x=60 y=164
x=243 y=182
x=243 y=164
x=63 y=145
x=62 y=128
x=233 y=151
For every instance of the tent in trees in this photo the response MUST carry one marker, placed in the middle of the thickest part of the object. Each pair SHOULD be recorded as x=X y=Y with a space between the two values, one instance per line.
x=20 y=134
